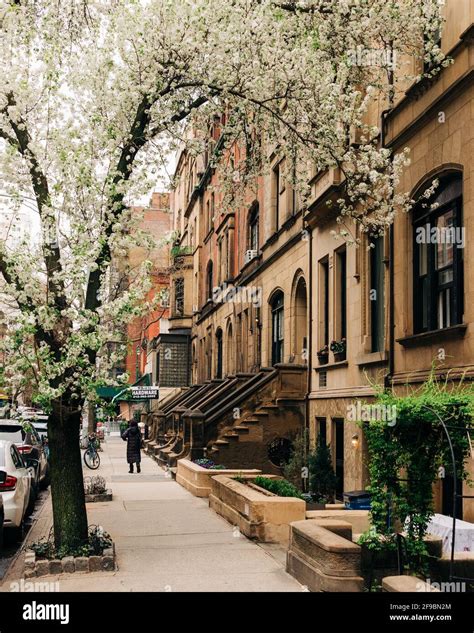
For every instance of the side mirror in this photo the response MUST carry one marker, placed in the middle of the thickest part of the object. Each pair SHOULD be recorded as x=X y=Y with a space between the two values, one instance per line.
x=3 y=477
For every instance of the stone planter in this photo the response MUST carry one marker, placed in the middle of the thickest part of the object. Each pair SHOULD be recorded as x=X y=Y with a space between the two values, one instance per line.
x=258 y=514
x=99 y=497
x=322 y=556
x=197 y=479
x=35 y=567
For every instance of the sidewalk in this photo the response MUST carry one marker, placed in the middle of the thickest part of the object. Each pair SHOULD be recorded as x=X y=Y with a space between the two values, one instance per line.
x=166 y=539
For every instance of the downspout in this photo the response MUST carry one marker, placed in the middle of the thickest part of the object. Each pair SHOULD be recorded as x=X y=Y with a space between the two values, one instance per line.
x=310 y=328
x=388 y=379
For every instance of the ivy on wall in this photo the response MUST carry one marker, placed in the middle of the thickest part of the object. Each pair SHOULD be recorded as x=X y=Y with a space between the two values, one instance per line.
x=404 y=457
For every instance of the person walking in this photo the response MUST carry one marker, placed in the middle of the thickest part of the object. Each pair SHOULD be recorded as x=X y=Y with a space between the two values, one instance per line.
x=133 y=437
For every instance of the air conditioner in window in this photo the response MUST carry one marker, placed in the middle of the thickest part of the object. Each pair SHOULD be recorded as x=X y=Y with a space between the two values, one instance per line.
x=249 y=255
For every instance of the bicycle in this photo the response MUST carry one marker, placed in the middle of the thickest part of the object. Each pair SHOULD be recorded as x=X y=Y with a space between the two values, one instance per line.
x=91 y=456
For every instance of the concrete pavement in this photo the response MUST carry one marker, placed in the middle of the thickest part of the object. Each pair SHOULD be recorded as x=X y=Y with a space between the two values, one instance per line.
x=166 y=539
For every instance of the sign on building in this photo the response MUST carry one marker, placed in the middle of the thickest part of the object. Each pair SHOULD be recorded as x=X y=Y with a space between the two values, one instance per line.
x=144 y=393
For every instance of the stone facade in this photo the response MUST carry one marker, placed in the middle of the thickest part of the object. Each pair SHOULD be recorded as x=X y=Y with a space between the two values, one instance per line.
x=435 y=119
x=303 y=289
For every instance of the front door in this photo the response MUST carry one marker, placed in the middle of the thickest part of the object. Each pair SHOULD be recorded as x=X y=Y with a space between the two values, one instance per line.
x=338 y=448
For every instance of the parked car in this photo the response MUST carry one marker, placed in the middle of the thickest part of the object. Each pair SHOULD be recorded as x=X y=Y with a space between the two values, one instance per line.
x=31 y=447
x=3 y=476
x=15 y=487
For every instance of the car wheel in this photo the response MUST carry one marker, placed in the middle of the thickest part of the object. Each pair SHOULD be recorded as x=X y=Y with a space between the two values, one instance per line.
x=17 y=533
x=46 y=480
x=31 y=500
x=1 y=531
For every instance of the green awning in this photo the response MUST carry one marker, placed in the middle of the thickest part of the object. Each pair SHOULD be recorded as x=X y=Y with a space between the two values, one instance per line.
x=107 y=393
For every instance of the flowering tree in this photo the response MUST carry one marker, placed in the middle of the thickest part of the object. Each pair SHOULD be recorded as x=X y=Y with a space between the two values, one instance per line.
x=94 y=95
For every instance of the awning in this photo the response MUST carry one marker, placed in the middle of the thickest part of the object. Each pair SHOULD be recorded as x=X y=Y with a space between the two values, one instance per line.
x=107 y=393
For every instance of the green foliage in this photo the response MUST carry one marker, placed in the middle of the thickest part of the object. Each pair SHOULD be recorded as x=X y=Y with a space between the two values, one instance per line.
x=298 y=460
x=404 y=460
x=280 y=487
x=98 y=540
x=322 y=478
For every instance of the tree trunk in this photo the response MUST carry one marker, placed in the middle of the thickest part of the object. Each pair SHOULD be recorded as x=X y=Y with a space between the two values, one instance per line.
x=67 y=484
x=91 y=420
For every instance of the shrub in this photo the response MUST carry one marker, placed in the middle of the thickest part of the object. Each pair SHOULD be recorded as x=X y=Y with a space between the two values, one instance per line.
x=322 y=478
x=208 y=463
x=298 y=460
x=97 y=541
x=94 y=485
x=280 y=487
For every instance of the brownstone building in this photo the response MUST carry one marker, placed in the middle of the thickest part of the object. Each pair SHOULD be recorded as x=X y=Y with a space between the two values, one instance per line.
x=259 y=292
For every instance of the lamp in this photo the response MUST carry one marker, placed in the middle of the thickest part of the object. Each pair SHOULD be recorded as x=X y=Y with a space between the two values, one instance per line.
x=355 y=441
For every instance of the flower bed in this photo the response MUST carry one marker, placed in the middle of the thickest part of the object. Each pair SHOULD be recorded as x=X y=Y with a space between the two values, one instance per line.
x=98 y=554
x=197 y=479
x=95 y=490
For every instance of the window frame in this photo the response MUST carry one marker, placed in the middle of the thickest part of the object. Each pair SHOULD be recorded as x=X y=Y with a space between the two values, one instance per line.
x=429 y=217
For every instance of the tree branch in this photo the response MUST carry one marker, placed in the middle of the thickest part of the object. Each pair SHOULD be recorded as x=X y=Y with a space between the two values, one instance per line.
x=21 y=141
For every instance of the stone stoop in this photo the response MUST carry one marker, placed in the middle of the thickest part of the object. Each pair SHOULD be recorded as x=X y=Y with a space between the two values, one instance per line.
x=323 y=560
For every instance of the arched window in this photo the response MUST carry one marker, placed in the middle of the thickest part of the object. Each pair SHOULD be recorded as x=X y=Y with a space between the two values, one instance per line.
x=209 y=281
x=277 y=310
x=253 y=218
x=438 y=256
x=299 y=322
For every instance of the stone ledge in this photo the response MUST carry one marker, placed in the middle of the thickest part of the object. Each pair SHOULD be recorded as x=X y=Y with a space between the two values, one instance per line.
x=406 y=584
x=359 y=519
x=70 y=564
x=324 y=537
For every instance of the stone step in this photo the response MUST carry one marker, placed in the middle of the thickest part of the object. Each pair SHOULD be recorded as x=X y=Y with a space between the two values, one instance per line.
x=221 y=443
x=231 y=436
x=252 y=421
x=241 y=429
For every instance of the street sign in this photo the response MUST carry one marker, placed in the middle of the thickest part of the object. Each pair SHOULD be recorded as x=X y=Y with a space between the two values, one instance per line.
x=144 y=393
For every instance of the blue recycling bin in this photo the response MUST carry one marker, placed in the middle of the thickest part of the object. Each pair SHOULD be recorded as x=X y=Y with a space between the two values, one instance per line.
x=357 y=500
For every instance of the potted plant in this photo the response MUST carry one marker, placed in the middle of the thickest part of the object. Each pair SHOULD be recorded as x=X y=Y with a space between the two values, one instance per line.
x=322 y=478
x=338 y=348
x=323 y=355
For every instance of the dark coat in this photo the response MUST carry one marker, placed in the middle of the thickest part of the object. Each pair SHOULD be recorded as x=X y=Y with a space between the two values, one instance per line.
x=133 y=437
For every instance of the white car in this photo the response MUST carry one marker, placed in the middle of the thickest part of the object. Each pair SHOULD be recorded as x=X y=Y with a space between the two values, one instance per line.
x=15 y=487
x=2 y=477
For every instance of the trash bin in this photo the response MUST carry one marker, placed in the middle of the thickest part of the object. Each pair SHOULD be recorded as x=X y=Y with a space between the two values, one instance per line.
x=357 y=500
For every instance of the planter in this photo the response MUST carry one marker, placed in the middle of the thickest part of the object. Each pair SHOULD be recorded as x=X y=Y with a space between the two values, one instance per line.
x=197 y=479
x=323 y=359
x=260 y=515
x=323 y=560
x=339 y=356
x=99 y=497
x=35 y=567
